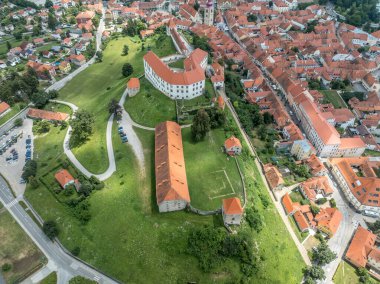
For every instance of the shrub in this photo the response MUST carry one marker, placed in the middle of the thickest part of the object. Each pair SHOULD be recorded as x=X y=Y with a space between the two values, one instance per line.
x=332 y=203
x=50 y=229
x=6 y=267
x=18 y=122
x=254 y=219
x=76 y=251
x=321 y=201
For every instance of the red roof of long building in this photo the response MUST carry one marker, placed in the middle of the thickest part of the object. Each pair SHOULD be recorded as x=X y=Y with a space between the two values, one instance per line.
x=171 y=182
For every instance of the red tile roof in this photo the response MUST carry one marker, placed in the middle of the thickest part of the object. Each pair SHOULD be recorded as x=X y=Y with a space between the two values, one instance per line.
x=63 y=177
x=3 y=107
x=301 y=221
x=328 y=220
x=187 y=77
x=171 y=182
x=48 y=115
x=133 y=83
x=232 y=142
x=232 y=206
x=361 y=245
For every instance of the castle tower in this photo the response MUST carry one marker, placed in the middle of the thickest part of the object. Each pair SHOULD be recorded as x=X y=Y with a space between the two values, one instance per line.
x=209 y=13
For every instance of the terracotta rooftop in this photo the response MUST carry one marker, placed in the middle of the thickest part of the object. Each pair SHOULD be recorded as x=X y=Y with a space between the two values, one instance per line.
x=187 y=77
x=328 y=219
x=48 y=115
x=133 y=83
x=3 y=107
x=232 y=142
x=366 y=189
x=361 y=245
x=63 y=177
x=232 y=206
x=171 y=182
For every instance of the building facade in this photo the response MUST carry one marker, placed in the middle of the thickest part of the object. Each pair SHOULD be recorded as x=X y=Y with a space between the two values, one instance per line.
x=186 y=84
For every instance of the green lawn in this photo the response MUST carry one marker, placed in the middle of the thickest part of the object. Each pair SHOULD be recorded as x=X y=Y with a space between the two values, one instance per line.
x=211 y=175
x=93 y=88
x=50 y=279
x=345 y=274
x=150 y=107
x=4 y=49
x=177 y=64
x=372 y=153
x=334 y=98
x=14 y=110
x=17 y=249
x=296 y=196
x=58 y=108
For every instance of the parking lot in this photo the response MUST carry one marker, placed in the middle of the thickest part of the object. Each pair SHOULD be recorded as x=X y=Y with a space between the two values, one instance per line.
x=14 y=154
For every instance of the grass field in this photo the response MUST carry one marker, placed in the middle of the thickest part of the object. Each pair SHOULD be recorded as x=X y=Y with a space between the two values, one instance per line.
x=150 y=107
x=345 y=274
x=334 y=98
x=177 y=64
x=156 y=241
x=58 y=108
x=50 y=279
x=372 y=153
x=14 y=110
x=93 y=89
x=211 y=175
x=17 y=249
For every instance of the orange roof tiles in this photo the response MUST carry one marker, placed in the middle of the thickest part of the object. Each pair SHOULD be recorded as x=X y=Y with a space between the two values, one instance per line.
x=301 y=221
x=3 y=107
x=187 y=77
x=63 y=177
x=313 y=186
x=288 y=204
x=48 y=115
x=171 y=182
x=361 y=245
x=366 y=189
x=328 y=220
x=273 y=176
x=133 y=83
x=232 y=142
x=232 y=206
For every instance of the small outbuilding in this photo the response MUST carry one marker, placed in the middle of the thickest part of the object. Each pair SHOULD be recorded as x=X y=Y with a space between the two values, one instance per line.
x=232 y=146
x=133 y=86
x=232 y=211
x=64 y=178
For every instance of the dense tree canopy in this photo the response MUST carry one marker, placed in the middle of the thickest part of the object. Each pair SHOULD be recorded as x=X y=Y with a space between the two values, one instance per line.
x=201 y=125
x=82 y=127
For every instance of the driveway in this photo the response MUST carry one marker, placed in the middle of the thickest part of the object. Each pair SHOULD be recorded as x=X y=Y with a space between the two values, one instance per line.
x=12 y=170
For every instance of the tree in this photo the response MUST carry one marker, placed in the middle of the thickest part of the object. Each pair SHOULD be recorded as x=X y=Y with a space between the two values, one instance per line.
x=99 y=56
x=29 y=169
x=323 y=254
x=314 y=209
x=363 y=275
x=76 y=251
x=270 y=4
x=36 y=31
x=48 y=4
x=18 y=122
x=200 y=126
x=17 y=35
x=114 y=107
x=196 y=5
x=82 y=126
x=127 y=69
x=33 y=182
x=309 y=280
x=315 y=272
x=9 y=46
x=50 y=229
x=6 y=267
x=125 y=50
x=40 y=99
x=252 y=18
x=254 y=219
x=52 y=21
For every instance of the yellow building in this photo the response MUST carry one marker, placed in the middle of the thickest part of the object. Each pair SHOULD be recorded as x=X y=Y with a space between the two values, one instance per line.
x=65 y=67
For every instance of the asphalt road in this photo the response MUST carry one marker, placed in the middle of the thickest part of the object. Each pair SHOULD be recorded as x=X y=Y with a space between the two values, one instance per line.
x=66 y=265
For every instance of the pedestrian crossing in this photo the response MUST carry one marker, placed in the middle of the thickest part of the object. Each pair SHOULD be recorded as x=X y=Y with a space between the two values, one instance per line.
x=13 y=202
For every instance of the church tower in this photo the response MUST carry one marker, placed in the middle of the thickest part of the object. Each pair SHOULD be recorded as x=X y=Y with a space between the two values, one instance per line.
x=209 y=13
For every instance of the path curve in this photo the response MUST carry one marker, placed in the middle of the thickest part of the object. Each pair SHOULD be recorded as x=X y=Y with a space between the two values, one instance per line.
x=111 y=158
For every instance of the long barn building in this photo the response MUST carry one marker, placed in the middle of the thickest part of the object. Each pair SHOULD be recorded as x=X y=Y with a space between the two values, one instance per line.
x=172 y=192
